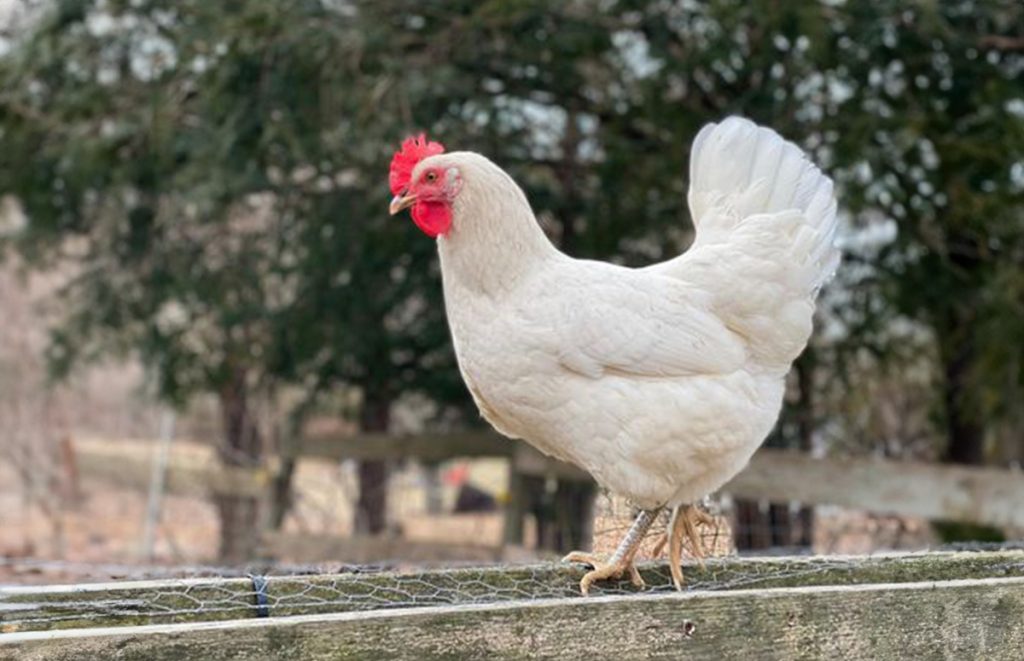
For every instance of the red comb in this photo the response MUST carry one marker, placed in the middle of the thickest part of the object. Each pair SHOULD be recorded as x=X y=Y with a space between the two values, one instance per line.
x=413 y=150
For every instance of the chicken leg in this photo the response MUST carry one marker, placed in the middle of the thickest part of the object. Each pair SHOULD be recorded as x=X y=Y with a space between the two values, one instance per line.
x=684 y=521
x=622 y=560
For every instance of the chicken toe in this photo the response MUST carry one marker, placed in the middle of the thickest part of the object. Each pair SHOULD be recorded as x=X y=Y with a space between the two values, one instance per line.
x=685 y=521
x=621 y=561
x=604 y=569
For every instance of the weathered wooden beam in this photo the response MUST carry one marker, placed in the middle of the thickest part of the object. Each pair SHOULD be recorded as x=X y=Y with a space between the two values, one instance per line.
x=364 y=550
x=960 y=493
x=515 y=508
x=991 y=496
x=434 y=447
x=124 y=603
x=424 y=447
x=918 y=620
x=196 y=600
x=132 y=469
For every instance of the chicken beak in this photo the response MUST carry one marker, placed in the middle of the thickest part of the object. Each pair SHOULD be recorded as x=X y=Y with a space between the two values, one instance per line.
x=400 y=202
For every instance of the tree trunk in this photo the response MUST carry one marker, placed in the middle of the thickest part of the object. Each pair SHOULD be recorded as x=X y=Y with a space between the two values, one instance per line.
x=966 y=443
x=372 y=506
x=289 y=446
x=241 y=446
x=281 y=491
x=964 y=427
x=568 y=179
x=805 y=368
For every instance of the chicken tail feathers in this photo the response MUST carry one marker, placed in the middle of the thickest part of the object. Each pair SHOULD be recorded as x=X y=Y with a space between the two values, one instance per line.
x=766 y=223
x=746 y=170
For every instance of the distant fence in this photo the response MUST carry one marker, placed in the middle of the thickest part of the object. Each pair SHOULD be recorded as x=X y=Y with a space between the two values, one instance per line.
x=937 y=605
x=990 y=496
x=130 y=467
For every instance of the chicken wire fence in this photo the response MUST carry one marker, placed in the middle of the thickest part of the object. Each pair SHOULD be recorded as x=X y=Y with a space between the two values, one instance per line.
x=97 y=595
x=215 y=593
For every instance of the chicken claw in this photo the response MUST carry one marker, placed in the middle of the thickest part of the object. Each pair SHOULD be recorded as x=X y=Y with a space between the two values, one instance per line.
x=622 y=560
x=604 y=569
x=684 y=521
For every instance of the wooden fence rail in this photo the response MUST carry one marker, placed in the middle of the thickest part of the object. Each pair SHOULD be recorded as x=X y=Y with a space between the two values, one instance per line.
x=131 y=468
x=939 y=605
x=991 y=496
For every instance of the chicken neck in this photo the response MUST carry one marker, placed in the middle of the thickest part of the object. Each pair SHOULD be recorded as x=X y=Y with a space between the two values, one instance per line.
x=495 y=241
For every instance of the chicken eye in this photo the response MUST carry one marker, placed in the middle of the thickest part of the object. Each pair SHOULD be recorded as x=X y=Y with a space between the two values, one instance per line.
x=430 y=177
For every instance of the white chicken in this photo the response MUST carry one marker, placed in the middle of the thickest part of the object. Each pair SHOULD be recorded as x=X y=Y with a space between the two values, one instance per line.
x=661 y=381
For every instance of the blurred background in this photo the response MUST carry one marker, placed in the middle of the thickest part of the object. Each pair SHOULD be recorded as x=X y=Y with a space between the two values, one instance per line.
x=216 y=348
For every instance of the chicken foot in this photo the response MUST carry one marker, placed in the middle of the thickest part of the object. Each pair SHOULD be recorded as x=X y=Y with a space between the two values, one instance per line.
x=622 y=560
x=684 y=522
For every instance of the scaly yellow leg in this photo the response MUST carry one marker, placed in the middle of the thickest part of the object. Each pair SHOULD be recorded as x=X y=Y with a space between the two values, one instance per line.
x=621 y=561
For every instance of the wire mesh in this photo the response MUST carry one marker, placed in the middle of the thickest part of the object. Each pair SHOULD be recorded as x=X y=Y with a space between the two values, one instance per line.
x=188 y=594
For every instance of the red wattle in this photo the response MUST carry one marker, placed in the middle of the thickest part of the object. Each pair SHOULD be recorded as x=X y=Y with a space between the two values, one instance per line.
x=433 y=218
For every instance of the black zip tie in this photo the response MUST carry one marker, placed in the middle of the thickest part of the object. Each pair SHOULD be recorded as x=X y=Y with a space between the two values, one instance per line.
x=259 y=586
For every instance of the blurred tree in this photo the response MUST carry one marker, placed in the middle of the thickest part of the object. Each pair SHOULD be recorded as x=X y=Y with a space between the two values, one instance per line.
x=215 y=172
x=218 y=174
x=221 y=168
x=932 y=140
